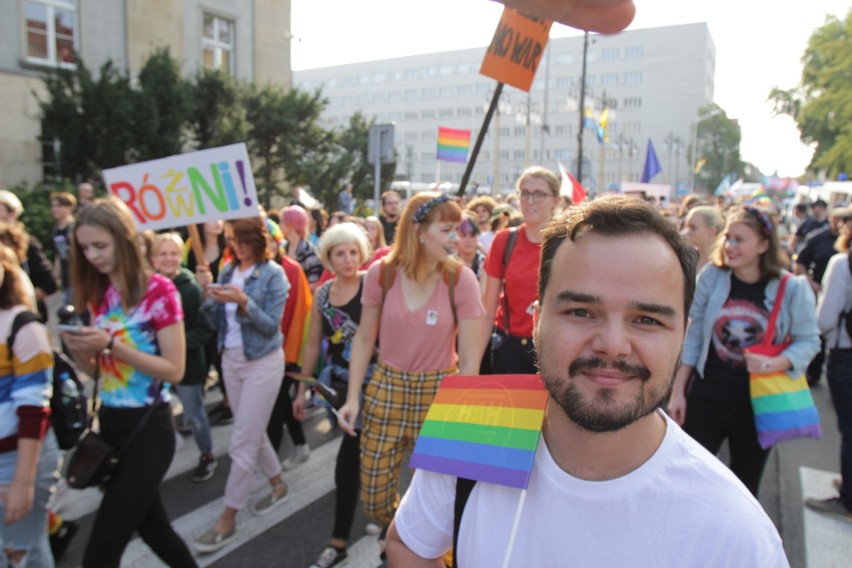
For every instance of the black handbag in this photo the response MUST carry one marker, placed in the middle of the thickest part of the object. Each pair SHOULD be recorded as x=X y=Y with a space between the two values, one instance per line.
x=94 y=461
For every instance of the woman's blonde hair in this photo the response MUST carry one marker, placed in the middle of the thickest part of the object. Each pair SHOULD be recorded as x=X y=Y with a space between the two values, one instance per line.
x=407 y=252
x=544 y=174
x=160 y=238
x=112 y=216
x=711 y=217
x=343 y=234
x=380 y=240
x=774 y=259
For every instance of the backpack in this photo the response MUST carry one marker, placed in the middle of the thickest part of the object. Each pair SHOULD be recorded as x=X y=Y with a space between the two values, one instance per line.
x=69 y=414
x=511 y=241
x=450 y=274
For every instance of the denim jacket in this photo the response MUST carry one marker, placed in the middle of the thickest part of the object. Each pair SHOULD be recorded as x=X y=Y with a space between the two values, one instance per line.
x=267 y=288
x=797 y=318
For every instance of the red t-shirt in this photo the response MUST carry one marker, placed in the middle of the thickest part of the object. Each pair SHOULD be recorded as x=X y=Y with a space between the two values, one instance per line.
x=521 y=278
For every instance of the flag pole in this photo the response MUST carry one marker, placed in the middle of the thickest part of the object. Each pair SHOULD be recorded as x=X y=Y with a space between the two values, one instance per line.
x=515 y=526
x=480 y=138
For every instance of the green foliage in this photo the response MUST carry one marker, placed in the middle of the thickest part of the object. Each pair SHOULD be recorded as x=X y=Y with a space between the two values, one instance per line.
x=346 y=162
x=107 y=121
x=162 y=108
x=821 y=104
x=718 y=143
x=216 y=116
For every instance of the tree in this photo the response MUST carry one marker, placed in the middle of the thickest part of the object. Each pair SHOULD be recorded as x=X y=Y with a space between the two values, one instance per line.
x=161 y=108
x=284 y=136
x=93 y=119
x=821 y=104
x=345 y=161
x=216 y=115
x=718 y=146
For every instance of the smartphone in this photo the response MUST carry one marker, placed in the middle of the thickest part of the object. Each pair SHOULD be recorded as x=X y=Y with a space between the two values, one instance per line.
x=213 y=286
x=72 y=327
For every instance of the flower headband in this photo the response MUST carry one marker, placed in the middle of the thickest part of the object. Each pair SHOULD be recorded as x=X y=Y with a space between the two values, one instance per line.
x=765 y=223
x=424 y=210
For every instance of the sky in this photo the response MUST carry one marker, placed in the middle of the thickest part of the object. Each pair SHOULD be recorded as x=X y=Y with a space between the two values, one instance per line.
x=759 y=44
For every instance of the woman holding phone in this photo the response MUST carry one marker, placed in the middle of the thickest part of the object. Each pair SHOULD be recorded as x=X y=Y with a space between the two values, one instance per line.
x=136 y=345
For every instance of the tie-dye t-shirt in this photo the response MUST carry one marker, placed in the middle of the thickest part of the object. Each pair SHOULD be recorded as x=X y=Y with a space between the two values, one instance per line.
x=122 y=385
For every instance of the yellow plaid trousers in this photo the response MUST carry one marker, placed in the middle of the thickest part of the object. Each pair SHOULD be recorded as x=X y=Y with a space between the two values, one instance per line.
x=395 y=406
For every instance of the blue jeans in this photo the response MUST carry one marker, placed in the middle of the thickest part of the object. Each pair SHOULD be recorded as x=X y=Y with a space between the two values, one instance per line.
x=30 y=532
x=840 y=384
x=192 y=399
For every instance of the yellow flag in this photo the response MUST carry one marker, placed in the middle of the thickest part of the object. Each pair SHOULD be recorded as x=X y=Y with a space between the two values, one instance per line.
x=699 y=164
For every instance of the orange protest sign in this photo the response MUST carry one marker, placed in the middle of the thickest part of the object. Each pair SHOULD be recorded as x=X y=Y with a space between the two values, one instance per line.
x=516 y=49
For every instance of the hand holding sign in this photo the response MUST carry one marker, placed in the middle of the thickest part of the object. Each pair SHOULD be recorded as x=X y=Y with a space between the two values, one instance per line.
x=604 y=16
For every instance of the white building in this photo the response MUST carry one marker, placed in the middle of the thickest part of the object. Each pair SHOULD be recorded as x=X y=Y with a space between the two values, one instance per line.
x=654 y=81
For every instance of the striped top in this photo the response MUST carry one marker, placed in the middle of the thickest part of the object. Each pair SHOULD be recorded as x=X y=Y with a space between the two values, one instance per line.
x=26 y=381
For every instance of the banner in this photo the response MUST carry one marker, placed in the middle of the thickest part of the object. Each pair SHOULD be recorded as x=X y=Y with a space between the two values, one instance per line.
x=516 y=49
x=190 y=188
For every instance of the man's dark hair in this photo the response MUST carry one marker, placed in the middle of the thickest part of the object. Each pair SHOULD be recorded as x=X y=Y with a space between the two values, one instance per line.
x=617 y=216
x=802 y=208
x=819 y=203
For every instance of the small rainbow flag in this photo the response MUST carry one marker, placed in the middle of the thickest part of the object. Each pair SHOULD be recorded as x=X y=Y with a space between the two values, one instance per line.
x=453 y=144
x=484 y=428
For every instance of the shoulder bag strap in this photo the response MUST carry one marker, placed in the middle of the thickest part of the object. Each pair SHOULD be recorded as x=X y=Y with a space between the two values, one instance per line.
x=511 y=241
x=769 y=336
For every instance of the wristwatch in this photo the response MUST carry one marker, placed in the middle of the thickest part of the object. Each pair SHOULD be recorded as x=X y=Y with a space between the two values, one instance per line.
x=108 y=349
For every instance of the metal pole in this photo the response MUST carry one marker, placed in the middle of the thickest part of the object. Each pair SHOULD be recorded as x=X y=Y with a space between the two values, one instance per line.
x=377 y=172
x=527 y=131
x=582 y=110
x=544 y=128
x=480 y=137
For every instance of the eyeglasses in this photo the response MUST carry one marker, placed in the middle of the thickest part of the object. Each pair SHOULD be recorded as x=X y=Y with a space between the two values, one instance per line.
x=534 y=196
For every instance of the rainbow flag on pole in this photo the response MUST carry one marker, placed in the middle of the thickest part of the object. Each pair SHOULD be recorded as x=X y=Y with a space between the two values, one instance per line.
x=453 y=144
x=484 y=428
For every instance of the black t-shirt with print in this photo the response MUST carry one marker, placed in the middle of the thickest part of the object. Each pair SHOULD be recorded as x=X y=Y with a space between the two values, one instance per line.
x=741 y=323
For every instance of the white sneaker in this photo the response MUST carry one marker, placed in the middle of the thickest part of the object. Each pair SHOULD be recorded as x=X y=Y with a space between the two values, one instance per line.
x=299 y=456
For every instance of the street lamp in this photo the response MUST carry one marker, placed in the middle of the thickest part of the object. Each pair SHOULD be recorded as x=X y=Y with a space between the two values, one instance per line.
x=711 y=114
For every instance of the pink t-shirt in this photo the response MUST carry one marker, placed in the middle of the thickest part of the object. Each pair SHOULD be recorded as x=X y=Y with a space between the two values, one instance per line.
x=422 y=340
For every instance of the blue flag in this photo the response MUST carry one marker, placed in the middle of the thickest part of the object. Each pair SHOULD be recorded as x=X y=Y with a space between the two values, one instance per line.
x=652 y=164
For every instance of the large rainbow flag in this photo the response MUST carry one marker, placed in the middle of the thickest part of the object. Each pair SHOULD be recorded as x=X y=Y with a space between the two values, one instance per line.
x=484 y=428
x=453 y=144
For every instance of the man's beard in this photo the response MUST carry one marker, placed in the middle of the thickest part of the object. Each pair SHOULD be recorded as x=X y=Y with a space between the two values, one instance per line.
x=603 y=413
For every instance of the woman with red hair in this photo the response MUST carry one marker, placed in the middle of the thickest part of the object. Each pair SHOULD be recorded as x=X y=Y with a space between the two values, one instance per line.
x=294 y=224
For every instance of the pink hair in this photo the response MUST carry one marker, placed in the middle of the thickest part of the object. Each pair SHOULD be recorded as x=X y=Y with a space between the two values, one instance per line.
x=295 y=217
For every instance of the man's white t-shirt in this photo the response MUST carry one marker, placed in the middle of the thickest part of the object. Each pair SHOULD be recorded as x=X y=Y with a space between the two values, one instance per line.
x=680 y=508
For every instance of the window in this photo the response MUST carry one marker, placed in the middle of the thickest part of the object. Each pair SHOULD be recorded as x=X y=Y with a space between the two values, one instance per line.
x=411 y=115
x=395 y=96
x=427 y=113
x=463 y=90
x=379 y=77
x=447 y=70
x=520 y=131
x=563 y=82
x=464 y=68
x=504 y=154
x=444 y=112
x=633 y=77
x=562 y=154
x=518 y=154
x=426 y=156
x=51 y=31
x=566 y=58
x=562 y=129
x=364 y=80
x=630 y=127
x=380 y=97
x=504 y=131
x=410 y=136
x=412 y=94
x=412 y=73
x=50 y=153
x=217 y=43
x=463 y=111
x=610 y=54
x=427 y=93
x=634 y=52
x=609 y=79
x=445 y=92
x=633 y=102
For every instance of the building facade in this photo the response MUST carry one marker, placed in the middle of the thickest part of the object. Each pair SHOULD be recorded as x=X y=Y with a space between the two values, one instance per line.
x=652 y=83
x=248 y=39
